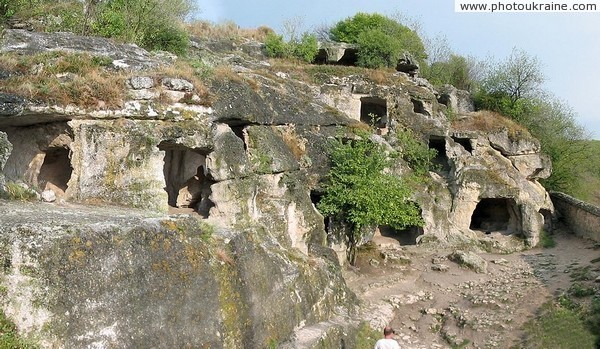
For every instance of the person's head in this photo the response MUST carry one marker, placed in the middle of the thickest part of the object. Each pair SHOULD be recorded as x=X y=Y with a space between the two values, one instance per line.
x=388 y=331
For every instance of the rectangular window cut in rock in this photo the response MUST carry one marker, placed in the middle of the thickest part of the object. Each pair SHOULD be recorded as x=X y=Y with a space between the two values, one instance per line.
x=187 y=182
x=465 y=142
x=440 y=161
x=55 y=171
x=373 y=111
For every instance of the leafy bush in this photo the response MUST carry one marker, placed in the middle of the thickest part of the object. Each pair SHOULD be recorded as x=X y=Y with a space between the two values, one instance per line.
x=416 y=153
x=377 y=49
x=359 y=193
x=580 y=290
x=454 y=71
x=305 y=49
x=275 y=46
x=381 y=41
x=593 y=319
x=169 y=38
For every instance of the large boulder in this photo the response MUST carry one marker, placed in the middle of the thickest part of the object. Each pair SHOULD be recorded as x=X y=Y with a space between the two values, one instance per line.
x=107 y=277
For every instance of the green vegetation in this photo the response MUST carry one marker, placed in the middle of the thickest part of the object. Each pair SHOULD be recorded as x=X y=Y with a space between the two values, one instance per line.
x=456 y=71
x=557 y=327
x=546 y=240
x=15 y=191
x=359 y=192
x=366 y=337
x=513 y=89
x=9 y=338
x=305 y=48
x=153 y=24
x=381 y=41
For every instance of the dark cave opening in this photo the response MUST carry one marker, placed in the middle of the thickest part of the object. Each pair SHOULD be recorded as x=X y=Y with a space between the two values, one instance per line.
x=373 y=111
x=238 y=128
x=406 y=236
x=440 y=161
x=315 y=198
x=419 y=107
x=495 y=215
x=187 y=182
x=55 y=171
x=465 y=142
x=547 y=215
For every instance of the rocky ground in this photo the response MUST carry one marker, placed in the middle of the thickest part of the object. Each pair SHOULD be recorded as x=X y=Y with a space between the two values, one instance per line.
x=433 y=302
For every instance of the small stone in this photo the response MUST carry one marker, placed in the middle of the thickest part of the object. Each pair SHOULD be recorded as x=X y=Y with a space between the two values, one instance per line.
x=440 y=267
x=374 y=262
x=178 y=85
x=48 y=196
x=141 y=82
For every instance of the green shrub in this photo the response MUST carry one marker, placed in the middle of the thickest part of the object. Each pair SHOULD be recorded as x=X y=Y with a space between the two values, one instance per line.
x=381 y=41
x=275 y=46
x=416 y=153
x=307 y=48
x=359 y=193
x=15 y=191
x=110 y=23
x=366 y=337
x=579 y=290
x=454 y=71
x=592 y=320
x=167 y=38
x=377 y=49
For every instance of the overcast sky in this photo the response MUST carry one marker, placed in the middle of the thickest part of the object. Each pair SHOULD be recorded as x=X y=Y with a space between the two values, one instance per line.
x=567 y=44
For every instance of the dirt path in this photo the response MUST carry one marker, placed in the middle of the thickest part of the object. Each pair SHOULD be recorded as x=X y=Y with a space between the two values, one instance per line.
x=455 y=306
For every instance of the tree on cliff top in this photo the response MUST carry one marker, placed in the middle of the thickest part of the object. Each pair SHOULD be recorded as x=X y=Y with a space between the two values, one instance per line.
x=381 y=41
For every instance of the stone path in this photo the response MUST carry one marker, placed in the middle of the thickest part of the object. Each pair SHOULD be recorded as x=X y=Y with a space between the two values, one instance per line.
x=434 y=303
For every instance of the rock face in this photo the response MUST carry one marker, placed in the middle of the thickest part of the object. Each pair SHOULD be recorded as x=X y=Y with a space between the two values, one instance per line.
x=5 y=150
x=110 y=278
x=251 y=166
x=123 y=56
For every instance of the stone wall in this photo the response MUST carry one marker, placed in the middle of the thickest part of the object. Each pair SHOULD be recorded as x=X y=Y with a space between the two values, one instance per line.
x=582 y=217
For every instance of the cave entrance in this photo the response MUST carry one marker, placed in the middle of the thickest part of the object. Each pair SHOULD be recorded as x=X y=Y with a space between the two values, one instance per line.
x=238 y=128
x=187 y=182
x=465 y=142
x=495 y=215
x=55 y=171
x=373 y=111
x=315 y=198
x=547 y=215
x=440 y=161
x=406 y=236
x=419 y=107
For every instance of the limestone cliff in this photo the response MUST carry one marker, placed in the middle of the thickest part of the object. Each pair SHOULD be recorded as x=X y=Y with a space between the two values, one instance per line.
x=247 y=155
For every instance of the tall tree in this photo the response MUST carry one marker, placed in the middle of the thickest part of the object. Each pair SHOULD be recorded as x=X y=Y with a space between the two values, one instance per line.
x=519 y=76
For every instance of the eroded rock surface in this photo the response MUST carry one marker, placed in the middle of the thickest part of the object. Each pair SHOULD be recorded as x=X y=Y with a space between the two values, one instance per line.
x=249 y=161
